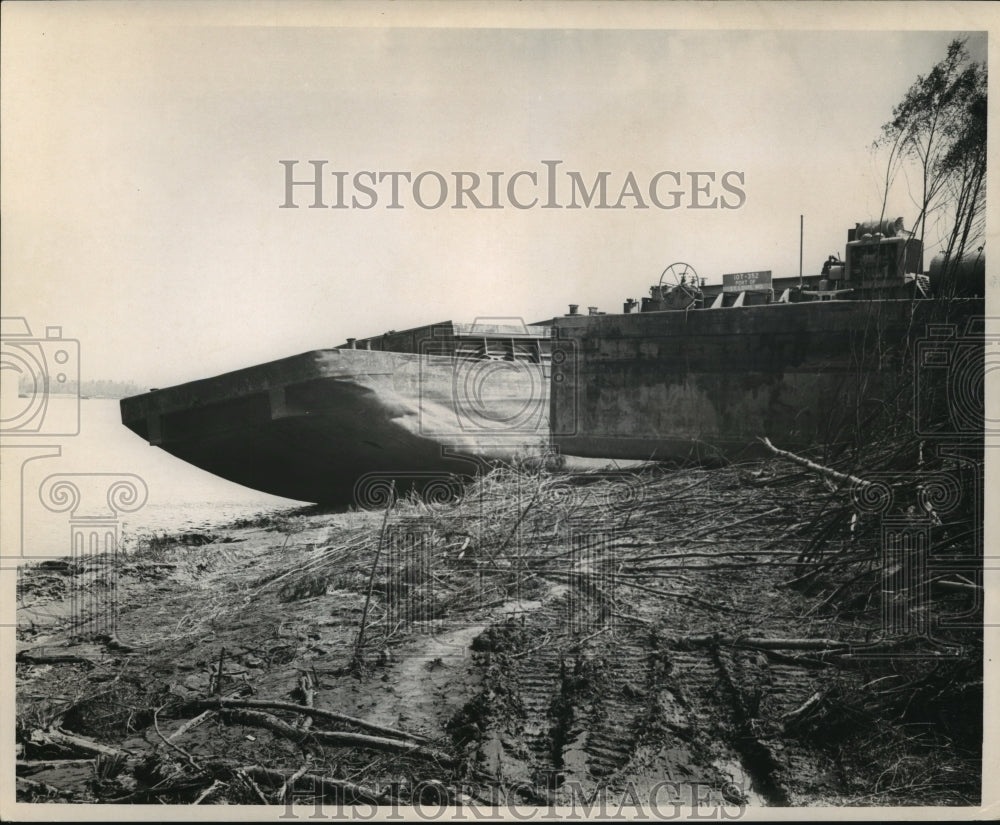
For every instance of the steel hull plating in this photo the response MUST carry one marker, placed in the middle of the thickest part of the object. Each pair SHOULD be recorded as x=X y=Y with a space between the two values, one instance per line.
x=711 y=383
x=338 y=425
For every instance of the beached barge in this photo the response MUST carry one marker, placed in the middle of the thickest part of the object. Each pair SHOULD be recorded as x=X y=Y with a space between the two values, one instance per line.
x=711 y=383
x=700 y=372
x=339 y=425
x=693 y=372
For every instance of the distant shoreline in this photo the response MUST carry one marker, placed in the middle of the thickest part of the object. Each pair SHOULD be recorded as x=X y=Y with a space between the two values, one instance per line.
x=81 y=396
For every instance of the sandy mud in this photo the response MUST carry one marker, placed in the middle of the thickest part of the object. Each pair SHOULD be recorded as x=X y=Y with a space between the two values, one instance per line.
x=652 y=637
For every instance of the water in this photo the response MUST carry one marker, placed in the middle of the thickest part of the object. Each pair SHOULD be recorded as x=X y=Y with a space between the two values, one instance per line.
x=180 y=497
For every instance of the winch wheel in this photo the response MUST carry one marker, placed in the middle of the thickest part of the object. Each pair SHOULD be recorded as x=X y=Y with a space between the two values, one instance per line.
x=674 y=273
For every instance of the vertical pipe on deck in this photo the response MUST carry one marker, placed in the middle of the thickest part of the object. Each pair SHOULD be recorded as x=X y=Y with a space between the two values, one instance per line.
x=801 y=228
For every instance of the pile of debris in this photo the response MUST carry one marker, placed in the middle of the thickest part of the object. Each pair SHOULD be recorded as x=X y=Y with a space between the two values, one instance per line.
x=781 y=632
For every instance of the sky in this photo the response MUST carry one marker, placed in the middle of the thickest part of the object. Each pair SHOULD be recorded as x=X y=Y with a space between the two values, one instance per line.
x=141 y=186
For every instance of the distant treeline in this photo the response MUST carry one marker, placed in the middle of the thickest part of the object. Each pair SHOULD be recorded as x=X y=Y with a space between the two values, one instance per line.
x=87 y=389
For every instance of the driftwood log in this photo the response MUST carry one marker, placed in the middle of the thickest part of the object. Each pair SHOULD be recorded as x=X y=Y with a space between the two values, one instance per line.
x=317 y=784
x=340 y=739
x=59 y=740
x=816 y=468
x=316 y=713
x=765 y=644
x=27 y=768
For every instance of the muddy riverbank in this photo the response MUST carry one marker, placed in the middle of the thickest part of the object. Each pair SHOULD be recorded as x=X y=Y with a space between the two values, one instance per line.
x=656 y=637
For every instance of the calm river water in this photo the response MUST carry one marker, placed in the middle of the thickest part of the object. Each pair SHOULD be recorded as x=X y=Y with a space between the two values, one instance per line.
x=180 y=497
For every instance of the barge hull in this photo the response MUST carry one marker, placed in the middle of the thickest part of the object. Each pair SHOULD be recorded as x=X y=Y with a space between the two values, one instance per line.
x=337 y=426
x=711 y=383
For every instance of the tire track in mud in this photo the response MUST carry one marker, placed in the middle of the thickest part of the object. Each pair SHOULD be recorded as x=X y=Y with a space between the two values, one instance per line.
x=613 y=726
x=585 y=698
x=594 y=712
x=623 y=709
x=767 y=701
x=740 y=698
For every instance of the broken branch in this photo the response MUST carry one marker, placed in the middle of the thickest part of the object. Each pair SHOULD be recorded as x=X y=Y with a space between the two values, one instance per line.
x=60 y=740
x=360 y=642
x=262 y=704
x=323 y=784
x=190 y=723
x=750 y=641
x=816 y=468
x=340 y=739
